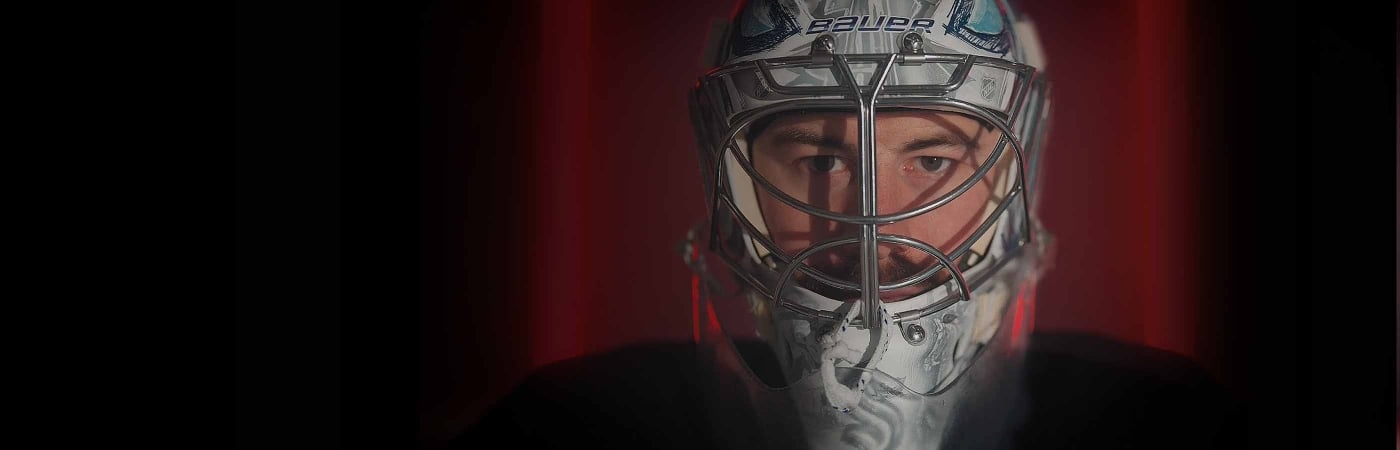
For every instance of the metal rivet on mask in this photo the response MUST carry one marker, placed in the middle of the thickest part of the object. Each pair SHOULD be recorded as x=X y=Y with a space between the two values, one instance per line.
x=823 y=45
x=913 y=43
x=949 y=318
x=915 y=334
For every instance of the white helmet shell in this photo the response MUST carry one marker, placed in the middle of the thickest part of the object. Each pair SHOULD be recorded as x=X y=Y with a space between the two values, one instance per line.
x=873 y=375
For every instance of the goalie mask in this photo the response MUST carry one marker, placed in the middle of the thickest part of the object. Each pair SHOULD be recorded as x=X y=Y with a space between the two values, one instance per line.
x=866 y=275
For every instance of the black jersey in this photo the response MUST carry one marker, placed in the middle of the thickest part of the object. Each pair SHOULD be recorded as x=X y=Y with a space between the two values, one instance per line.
x=1084 y=392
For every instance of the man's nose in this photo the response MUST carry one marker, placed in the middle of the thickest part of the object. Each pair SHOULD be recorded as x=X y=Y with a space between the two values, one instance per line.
x=891 y=196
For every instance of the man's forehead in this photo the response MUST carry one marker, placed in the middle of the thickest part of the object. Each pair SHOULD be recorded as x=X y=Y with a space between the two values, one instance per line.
x=900 y=120
x=842 y=124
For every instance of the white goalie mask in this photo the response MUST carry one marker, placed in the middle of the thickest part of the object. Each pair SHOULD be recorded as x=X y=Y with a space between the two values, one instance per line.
x=866 y=275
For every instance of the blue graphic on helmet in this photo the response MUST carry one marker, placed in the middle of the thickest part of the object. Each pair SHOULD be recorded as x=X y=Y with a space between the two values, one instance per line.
x=762 y=25
x=985 y=20
x=982 y=23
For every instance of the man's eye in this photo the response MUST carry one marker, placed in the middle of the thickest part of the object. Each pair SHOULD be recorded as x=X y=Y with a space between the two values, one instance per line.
x=933 y=163
x=825 y=164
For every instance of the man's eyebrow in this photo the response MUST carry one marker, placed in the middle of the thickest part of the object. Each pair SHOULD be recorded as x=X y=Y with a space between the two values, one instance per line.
x=939 y=139
x=788 y=136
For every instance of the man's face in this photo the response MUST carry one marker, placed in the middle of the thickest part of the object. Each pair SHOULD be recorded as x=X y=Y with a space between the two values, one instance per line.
x=920 y=156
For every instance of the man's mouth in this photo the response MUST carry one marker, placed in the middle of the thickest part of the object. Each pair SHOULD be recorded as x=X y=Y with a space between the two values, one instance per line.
x=902 y=293
x=894 y=295
x=891 y=270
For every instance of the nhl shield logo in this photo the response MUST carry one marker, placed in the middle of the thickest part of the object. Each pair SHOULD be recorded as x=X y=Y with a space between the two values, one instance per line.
x=990 y=88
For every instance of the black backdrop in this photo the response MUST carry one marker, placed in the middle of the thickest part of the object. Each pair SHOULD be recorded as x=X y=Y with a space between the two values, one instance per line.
x=340 y=179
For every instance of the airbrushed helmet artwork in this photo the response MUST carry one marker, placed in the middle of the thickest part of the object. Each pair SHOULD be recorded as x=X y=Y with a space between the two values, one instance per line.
x=866 y=275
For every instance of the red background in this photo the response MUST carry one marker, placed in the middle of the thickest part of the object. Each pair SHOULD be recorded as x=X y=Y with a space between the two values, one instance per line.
x=602 y=182
x=619 y=180
x=441 y=197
